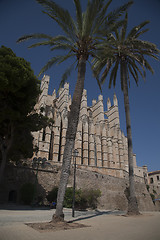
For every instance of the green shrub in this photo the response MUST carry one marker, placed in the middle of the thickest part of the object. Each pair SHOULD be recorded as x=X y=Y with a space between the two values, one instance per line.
x=80 y=200
x=68 y=199
x=153 y=197
x=154 y=191
x=27 y=192
x=91 y=197
x=87 y=198
x=52 y=195
x=147 y=186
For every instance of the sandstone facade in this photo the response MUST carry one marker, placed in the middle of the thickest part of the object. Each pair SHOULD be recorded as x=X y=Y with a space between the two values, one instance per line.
x=100 y=142
x=154 y=178
x=102 y=162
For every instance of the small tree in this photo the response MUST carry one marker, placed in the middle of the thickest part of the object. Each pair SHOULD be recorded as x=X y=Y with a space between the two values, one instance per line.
x=19 y=90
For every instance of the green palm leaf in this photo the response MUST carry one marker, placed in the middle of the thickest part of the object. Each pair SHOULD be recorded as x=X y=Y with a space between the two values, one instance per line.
x=113 y=74
x=136 y=29
x=43 y=43
x=65 y=75
x=78 y=17
x=114 y=15
x=34 y=36
x=50 y=63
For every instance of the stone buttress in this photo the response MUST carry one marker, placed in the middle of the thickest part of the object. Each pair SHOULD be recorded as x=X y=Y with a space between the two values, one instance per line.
x=99 y=139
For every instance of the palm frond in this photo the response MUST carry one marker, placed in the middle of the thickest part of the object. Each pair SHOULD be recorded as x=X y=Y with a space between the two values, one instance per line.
x=113 y=74
x=43 y=43
x=62 y=38
x=114 y=15
x=63 y=46
x=69 y=32
x=65 y=75
x=134 y=31
x=65 y=57
x=111 y=27
x=60 y=15
x=96 y=75
x=101 y=17
x=148 y=66
x=50 y=63
x=133 y=73
x=106 y=71
x=136 y=68
x=90 y=17
x=117 y=34
x=34 y=36
x=141 y=32
x=124 y=28
x=86 y=20
x=142 y=45
x=78 y=16
x=122 y=74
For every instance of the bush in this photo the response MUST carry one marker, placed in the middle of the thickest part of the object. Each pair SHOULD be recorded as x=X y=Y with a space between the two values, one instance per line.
x=68 y=199
x=83 y=198
x=147 y=186
x=154 y=191
x=52 y=195
x=91 y=197
x=153 y=197
x=27 y=192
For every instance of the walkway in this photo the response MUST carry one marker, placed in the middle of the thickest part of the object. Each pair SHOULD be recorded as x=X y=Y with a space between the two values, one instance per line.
x=103 y=225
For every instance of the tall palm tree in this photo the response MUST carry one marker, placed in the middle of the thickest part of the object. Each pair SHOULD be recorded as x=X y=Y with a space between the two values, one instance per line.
x=80 y=40
x=130 y=54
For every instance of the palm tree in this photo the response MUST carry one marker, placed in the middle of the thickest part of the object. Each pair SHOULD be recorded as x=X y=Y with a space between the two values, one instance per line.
x=80 y=40
x=129 y=53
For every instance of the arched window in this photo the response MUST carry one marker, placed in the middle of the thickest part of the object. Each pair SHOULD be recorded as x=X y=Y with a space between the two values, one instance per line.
x=151 y=180
x=60 y=142
x=44 y=134
x=82 y=145
x=50 y=156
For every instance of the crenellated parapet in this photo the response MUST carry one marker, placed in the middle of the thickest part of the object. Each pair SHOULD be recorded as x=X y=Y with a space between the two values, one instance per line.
x=99 y=139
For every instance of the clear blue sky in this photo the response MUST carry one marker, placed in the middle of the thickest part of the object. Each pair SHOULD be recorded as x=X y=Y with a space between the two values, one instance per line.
x=19 y=17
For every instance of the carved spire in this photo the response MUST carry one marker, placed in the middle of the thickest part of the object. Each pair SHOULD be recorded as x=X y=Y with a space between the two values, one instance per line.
x=108 y=103
x=115 y=101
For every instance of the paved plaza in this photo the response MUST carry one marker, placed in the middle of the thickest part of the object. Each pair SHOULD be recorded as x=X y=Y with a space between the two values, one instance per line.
x=102 y=225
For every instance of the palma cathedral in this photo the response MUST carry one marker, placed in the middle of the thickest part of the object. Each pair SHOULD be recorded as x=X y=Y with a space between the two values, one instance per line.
x=101 y=144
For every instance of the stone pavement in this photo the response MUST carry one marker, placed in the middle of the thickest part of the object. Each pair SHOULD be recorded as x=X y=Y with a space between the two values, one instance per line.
x=103 y=225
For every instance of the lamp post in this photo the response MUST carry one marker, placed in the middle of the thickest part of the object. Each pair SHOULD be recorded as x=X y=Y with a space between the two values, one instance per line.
x=75 y=154
x=36 y=163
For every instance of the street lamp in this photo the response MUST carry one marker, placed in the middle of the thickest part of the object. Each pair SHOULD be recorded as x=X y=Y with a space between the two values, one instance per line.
x=36 y=163
x=75 y=154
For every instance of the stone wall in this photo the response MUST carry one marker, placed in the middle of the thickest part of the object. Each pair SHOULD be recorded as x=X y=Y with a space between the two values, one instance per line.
x=113 y=189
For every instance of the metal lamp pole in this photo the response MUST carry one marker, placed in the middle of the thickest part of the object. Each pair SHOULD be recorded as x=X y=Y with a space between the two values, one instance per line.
x=75 y=154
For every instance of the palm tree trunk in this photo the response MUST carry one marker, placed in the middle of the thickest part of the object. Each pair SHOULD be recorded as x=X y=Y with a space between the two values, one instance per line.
x=70 y=138
x=132 y=200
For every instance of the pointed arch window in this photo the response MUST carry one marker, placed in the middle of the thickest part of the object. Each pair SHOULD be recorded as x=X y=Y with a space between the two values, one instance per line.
x=50 y=157
x=60 y=142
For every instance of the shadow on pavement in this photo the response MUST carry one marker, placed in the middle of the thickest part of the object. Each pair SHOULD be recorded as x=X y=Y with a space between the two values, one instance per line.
x=96 y=214
x=22 y=207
